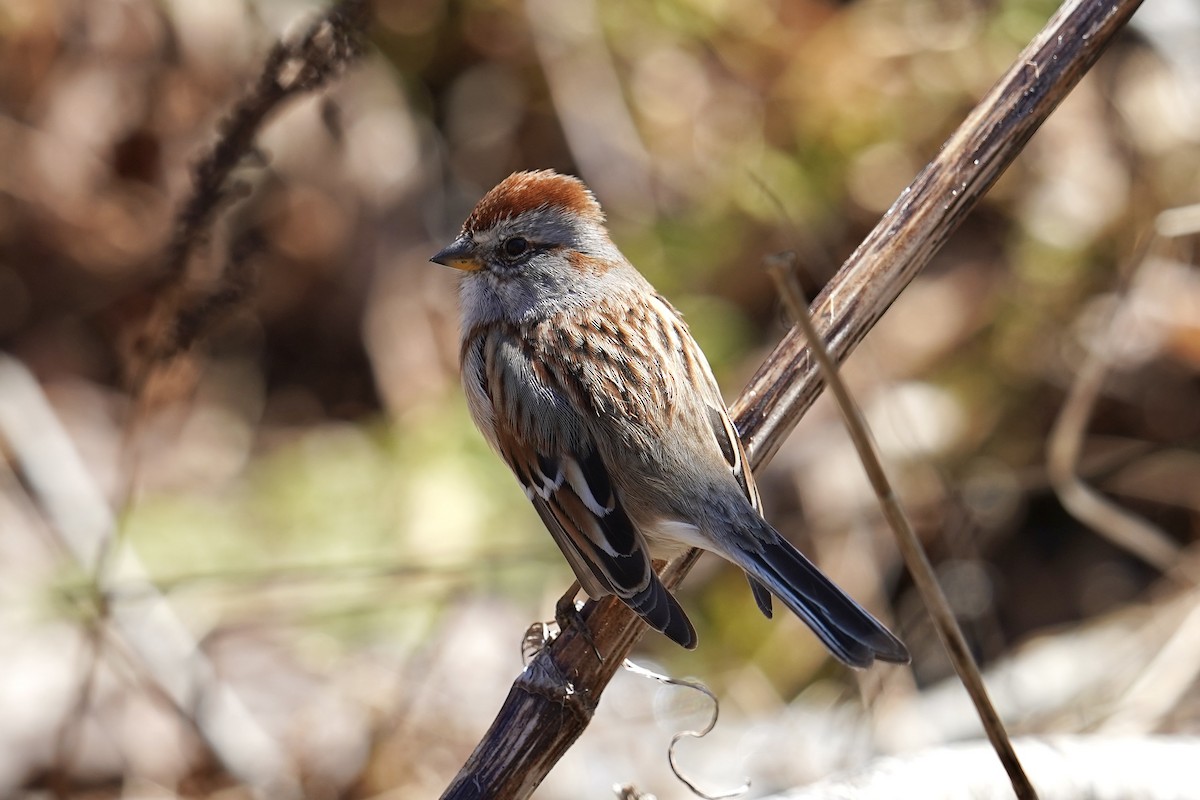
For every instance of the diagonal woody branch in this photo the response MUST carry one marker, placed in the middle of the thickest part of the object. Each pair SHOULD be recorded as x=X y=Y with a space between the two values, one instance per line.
x=553 y=700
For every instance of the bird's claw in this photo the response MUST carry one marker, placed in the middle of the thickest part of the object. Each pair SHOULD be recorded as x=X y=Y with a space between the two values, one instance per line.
x=566 y=614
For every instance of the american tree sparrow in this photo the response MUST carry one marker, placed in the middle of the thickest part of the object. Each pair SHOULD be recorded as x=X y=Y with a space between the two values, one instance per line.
x=590 y=387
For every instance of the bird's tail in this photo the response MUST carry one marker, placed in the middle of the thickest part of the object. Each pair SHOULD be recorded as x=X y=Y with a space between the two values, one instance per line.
x=854 y=636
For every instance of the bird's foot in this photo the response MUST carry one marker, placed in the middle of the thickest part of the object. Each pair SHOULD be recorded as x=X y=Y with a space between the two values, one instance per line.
x=566 y=614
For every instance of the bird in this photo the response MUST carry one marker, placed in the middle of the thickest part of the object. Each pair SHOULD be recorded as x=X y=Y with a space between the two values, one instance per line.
x=588 y=384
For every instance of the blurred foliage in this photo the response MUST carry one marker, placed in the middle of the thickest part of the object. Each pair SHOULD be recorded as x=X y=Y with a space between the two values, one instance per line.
x=307 y=472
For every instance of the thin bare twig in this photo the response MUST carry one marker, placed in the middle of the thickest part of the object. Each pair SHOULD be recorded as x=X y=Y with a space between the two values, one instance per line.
x=148 y=625
x=783 y=270
x=1118 y=525
x=326 y=49
x=328 y=46
x=154 y=635
x=552 y=701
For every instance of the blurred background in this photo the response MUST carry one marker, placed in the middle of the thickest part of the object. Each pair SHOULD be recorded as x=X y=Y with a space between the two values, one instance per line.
x=291 y=561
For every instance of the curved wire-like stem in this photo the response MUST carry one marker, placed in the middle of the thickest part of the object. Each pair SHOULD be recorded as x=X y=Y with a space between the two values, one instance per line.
x=553 y=700
x=704 y=730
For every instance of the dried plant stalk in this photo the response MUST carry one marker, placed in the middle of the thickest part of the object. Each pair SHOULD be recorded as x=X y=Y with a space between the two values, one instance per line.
x=552 y=701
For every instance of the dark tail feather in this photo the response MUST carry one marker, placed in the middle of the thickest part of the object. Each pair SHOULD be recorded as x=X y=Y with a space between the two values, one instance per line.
x=854 y=636
x=662 y=611
x=761 y=596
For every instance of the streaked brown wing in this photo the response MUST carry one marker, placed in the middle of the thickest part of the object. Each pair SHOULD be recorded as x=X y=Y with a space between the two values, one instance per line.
x=536 y=430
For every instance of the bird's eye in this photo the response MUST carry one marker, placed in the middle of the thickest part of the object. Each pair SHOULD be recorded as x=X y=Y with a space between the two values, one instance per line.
x=515 y=246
